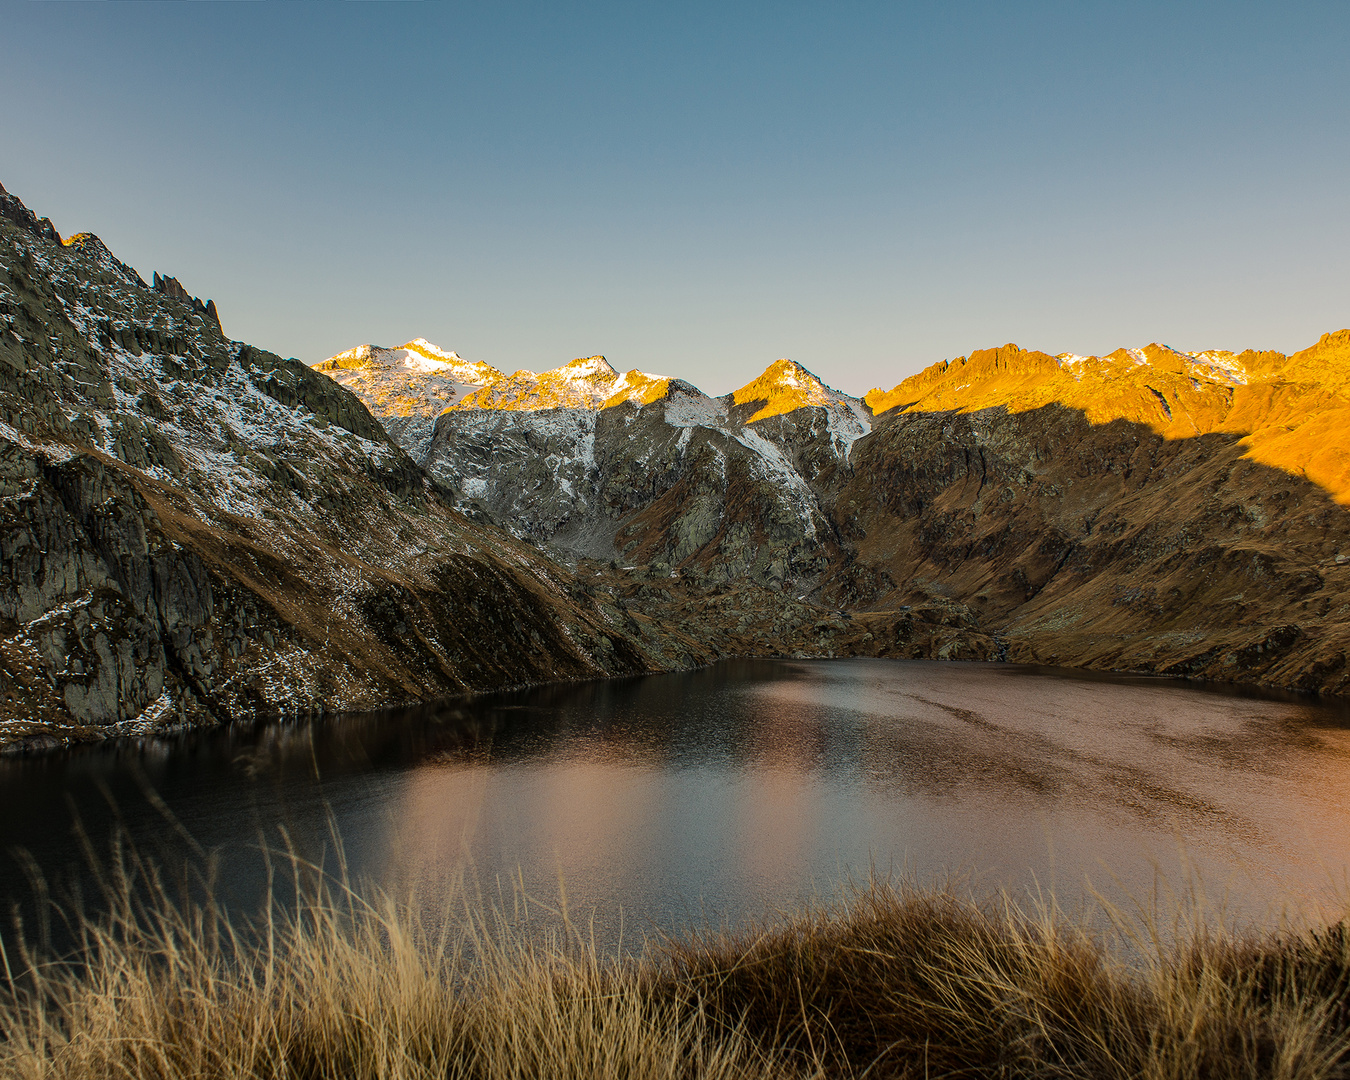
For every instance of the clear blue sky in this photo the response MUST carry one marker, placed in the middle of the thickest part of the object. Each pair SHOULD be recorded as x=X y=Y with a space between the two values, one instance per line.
x=700 y=189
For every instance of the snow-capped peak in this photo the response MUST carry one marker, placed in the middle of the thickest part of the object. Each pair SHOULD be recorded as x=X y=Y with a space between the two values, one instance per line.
x=422 y=345
x=784 y=386
x=1214 y=365
x=587 y=369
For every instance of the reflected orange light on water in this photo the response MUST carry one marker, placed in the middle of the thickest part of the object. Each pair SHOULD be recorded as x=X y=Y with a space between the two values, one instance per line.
x=781 y=788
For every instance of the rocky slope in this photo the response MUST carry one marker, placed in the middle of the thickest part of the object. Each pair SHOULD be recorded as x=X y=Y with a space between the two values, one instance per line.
x=1145 y=510
x=193 y=529
x=642 y=468
x=1149 y=510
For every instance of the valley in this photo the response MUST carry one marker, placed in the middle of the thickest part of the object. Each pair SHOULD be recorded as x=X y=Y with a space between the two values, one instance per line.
x=196 y=530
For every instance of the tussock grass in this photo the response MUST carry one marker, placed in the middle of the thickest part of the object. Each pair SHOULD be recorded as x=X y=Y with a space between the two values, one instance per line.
x=897 y=981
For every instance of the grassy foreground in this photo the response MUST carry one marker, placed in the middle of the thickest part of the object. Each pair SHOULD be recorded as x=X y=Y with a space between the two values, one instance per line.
x=895 y=982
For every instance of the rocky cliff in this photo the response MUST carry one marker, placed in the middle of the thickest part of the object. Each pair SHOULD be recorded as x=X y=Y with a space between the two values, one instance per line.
x=193 y=529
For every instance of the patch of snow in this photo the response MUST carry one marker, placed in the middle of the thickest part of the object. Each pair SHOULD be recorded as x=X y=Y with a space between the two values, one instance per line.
x=83 y=600
x=1223 y=367
x=847 y=421
x=780 y=471
x=148 y=719
x=55 y=453
x=684 y=409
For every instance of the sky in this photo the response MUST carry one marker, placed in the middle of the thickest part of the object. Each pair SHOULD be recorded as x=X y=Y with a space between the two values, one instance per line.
x=699 y=189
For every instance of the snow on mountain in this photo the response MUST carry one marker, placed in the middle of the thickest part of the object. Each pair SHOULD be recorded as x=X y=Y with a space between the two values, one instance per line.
x=786 y=386
x=196 y=529
x=407 y=387
x=640 y=465
x=589 y=382
x=415 y=379
x=1215 y=365
x=557 y=455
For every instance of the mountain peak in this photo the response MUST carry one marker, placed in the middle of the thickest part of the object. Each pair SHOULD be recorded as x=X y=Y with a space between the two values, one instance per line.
x=587 y=367
x=97 y=252
x=784 y=386
x=13 y=210
x=426 y=348
x=408 y=386
x=588 y=382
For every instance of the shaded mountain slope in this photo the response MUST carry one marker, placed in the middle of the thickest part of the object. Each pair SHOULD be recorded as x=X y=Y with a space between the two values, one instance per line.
x=192 y=529
x=1122 y=519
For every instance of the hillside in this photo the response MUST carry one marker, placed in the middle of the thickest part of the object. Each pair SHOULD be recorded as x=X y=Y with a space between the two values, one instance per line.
x=196 y=530
x=1148 y=510
x=1144 y=510
x=1291 y=412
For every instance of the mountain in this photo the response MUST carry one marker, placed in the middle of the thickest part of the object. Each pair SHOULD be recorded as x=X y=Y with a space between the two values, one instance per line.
x=1148 y=509
x=635 y=466
x=586 y=383
x=408 y=387
x=1291 y=411
x=195 y=530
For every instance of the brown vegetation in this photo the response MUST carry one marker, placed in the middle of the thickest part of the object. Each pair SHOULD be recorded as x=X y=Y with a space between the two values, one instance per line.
x=895 y=982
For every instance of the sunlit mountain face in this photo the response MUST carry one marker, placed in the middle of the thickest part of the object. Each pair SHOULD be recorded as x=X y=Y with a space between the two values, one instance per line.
x=1291 y=412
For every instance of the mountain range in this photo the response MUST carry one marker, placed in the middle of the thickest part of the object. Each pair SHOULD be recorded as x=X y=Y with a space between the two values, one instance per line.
x=196 y=530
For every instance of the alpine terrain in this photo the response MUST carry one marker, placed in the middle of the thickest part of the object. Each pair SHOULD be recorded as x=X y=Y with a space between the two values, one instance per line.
x=194 y=529
x=1147 y=510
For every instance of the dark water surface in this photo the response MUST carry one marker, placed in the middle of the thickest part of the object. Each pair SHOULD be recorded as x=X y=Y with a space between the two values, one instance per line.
x=724 y=793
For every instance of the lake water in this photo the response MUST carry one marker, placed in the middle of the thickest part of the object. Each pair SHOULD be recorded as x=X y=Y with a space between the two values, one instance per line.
x=726 y=793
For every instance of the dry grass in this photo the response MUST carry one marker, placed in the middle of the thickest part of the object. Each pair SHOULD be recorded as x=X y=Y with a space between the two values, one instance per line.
x=897 y=982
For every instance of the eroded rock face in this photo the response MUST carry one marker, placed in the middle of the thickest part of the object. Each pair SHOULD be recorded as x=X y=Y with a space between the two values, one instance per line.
x=194 y=530
x=678 y=477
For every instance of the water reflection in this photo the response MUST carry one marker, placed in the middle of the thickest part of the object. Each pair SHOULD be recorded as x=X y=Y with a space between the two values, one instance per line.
x=751 y=785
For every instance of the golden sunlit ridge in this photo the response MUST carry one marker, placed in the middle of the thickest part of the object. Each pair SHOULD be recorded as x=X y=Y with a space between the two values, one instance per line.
x=1293 y=411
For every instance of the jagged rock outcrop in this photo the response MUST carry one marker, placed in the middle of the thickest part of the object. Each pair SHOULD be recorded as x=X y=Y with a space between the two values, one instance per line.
x=18 y=215
x=173 y=287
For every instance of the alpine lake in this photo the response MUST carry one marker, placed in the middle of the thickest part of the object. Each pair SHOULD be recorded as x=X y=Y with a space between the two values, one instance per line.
x=721 y=796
